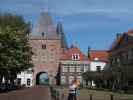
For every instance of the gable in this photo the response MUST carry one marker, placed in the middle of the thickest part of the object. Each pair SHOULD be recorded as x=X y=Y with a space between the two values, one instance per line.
x=71 y=53
x=98 y=55
x=124 y=41
x=45 y=26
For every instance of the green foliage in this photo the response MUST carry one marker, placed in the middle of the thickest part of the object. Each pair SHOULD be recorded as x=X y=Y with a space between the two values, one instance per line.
x=15 y=54
x=90 y=75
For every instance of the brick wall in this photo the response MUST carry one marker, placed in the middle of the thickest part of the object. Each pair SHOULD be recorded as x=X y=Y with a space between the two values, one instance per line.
x=45 y=59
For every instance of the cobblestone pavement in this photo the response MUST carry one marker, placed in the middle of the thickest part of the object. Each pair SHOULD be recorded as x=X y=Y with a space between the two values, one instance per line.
x=34 y=93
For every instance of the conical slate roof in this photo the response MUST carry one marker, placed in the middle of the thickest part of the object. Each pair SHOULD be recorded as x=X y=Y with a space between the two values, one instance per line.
x=45 y=26
x=60 y=32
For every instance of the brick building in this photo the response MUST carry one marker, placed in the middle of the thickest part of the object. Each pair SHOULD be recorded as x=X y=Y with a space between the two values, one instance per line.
x=46 y=41
x=73 y=63
x=121 y=58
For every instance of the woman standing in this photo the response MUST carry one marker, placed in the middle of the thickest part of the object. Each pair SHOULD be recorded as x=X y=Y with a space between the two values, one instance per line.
x=72 y=91
x=77 y=89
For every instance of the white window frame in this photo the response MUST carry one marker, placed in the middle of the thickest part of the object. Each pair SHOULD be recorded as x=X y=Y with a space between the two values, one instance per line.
x=72 y=69
x=64 y=69
x=75 y=57
x=63 y=79
x=79 y=69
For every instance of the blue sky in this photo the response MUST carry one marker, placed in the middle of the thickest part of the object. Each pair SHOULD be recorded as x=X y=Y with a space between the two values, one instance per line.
x=92 y=23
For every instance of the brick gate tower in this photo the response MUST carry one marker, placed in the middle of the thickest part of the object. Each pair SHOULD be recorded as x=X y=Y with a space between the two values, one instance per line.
x=47 y=41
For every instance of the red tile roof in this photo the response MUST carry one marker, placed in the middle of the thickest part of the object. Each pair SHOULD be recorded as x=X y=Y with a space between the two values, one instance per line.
x=67 y=54
x=130 y=32
x=102 y=55
x=116 y=41
x=119 y=39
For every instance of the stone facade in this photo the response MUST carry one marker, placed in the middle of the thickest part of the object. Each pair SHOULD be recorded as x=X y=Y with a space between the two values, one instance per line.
x=47 y=47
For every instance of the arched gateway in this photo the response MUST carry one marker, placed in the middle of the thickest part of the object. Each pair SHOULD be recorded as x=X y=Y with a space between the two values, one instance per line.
x=47 y=47
x=42 y=78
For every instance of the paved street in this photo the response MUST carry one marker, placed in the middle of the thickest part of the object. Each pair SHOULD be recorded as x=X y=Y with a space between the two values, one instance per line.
x=34 y=93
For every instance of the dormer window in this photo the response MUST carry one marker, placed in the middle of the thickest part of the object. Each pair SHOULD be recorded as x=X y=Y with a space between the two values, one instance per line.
x=75 y=57
x=43 y=33
x=96 y=59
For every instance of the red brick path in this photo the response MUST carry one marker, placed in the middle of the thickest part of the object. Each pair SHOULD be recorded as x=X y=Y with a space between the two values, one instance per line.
x=34 y=93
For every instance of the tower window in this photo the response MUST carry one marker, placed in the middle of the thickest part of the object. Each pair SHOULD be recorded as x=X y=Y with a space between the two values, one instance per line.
x=43 y=46
x=43 y=33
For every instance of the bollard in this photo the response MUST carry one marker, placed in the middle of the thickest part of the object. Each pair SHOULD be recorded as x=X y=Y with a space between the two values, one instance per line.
x=90 y=96
x=57 y=95
x=111 y=97
x=62 y=96
x=54 y=94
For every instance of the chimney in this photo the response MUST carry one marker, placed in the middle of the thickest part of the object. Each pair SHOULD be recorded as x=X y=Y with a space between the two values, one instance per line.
x=88 y=51
x=118 y=35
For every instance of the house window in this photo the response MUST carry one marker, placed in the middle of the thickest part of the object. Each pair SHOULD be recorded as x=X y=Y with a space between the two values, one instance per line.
x=98 y=68
x=111 y=62
x=43 y=34
x=44 y=57
x=86 y=68
x=130 y=54
x=63 y=79
x=43 y=46
x=118 y=60
x=71 y=69
x=75 y=56
x=64 y=69
x=28 y=82
x=19 y=81
x=51 y=57
x=35 y=58
x=29 y=71
x=79 y=69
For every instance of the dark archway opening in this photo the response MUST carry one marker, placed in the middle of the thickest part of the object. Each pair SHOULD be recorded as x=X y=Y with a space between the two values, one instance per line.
x=42 y=78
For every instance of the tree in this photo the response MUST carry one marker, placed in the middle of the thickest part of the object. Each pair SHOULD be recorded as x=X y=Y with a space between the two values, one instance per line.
x=88 y=76
x=93 y=76
x=15 y=52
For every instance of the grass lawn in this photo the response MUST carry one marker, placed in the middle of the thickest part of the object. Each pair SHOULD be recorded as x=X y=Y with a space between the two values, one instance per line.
x=98 y=95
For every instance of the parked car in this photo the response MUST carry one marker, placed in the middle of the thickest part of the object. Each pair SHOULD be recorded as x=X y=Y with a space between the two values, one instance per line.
x=5 y=87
